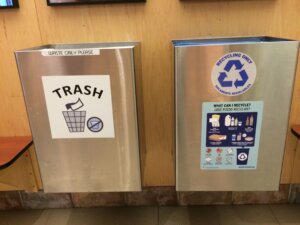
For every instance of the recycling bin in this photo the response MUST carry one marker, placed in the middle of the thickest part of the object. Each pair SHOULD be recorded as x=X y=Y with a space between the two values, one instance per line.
x=232 y=105
x=81 y=104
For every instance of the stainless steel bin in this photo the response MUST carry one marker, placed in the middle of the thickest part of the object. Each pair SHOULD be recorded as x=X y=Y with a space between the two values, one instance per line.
x=233 y=100
x=81 y=104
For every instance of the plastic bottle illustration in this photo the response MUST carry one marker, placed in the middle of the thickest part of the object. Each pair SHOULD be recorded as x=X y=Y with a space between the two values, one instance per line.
x=251 y=121
x=247 y=121
x=232 y=121
x=236 y=122
x=227 y=120
x=239 y=137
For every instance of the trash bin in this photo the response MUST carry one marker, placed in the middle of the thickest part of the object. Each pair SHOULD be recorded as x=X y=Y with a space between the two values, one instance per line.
x=81 y=104
x=233 y=100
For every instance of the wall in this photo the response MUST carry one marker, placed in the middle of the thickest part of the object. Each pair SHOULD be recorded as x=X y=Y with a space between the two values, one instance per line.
x=154 y=23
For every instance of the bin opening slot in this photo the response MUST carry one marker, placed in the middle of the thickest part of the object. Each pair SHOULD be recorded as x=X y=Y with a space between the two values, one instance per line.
x=228 y=41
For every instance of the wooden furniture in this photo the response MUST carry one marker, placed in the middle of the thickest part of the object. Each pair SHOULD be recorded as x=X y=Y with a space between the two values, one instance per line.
x=296 y=130
x=295 y=178
x=18 y=164
x=11 y=148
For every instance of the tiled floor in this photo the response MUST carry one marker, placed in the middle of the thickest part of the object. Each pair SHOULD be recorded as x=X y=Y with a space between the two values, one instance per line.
x=206 y=215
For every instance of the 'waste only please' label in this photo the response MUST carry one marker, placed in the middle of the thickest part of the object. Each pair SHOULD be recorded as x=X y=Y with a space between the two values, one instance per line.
x=70 y=52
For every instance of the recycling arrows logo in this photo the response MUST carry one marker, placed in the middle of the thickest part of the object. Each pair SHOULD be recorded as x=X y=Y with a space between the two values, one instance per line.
x=233 y=74
x=237 y=83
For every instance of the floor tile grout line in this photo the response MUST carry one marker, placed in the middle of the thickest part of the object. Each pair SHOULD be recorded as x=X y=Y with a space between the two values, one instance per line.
x=158 y=212
x=274 y=215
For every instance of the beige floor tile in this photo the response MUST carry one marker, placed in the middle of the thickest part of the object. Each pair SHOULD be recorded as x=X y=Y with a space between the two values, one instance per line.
x=287 y=214
x=55 y=217
x=194 y=215
x=246 y=215
x=86 y=216
x=22 y=217
x=114 y=216
x=35 y=217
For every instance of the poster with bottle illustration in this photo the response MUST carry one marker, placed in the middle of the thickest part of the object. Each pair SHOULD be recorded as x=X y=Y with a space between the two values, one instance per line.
x=230 y=135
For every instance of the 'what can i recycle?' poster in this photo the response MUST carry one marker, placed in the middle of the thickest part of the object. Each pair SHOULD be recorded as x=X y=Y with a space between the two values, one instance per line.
x=230 y=135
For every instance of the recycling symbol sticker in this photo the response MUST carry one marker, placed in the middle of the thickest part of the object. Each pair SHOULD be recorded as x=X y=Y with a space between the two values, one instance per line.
x=242 y=156
x=233 y=74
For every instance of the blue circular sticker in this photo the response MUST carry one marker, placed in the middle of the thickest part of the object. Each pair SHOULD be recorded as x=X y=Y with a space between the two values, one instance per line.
x=95 y=124
x=233 y=74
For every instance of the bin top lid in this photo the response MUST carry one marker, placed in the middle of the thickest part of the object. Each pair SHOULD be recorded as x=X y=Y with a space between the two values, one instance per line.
x=229 y=41
x=109 y=45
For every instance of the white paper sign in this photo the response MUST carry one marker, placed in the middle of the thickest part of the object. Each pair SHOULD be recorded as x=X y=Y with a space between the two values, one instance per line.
x=79 y=106
x=70 y=52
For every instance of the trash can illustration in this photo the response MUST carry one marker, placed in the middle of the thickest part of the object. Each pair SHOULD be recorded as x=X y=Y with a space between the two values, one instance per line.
x=75 y=119
x=81 y=105
x=232 y=106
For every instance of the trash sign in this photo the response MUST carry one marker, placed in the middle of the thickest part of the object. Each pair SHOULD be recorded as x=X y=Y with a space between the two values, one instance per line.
x=230 y=134
x=233 y=74
x=79 y=106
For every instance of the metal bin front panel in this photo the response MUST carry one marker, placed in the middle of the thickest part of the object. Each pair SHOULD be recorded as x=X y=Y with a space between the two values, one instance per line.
x=77 y=151
x=275 y=61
